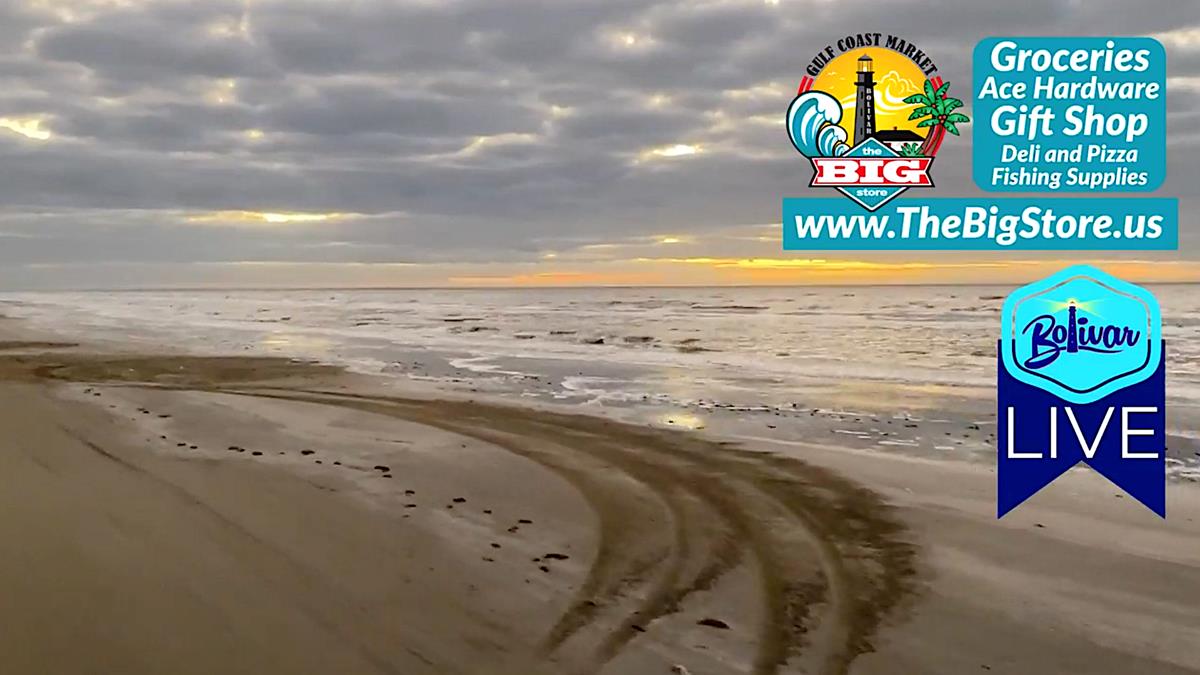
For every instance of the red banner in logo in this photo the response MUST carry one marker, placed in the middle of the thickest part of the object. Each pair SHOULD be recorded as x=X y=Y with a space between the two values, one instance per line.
x=871 y=171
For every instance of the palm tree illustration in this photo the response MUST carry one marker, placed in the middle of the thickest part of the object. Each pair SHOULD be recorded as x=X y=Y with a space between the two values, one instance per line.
x=939 y=108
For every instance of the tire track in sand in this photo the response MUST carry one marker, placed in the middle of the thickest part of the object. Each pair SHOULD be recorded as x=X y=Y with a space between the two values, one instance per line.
x=833 y=562
x=675 y=512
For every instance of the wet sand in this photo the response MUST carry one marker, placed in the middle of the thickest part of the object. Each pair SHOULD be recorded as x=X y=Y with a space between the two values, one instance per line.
x=183 y=514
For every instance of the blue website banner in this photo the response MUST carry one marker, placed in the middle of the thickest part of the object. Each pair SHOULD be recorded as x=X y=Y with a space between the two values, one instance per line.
x=983 y=224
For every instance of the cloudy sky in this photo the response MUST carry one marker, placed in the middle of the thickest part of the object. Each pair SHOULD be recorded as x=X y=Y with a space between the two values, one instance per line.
x=474 y=142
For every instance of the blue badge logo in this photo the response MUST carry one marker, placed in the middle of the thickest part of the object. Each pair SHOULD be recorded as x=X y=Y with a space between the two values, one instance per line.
x=1081 y=334
x=1081 y=377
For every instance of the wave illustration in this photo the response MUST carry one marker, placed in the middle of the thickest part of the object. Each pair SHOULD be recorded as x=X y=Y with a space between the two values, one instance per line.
x=812 y=123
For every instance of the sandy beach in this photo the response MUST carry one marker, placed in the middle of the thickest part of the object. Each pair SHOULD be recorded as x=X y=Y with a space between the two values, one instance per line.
x=182 y=514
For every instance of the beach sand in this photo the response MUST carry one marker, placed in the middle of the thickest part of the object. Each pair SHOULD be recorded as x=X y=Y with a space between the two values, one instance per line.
x=176 y=514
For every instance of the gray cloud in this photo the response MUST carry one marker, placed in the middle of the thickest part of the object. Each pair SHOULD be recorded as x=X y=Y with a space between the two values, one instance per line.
x=459 y=131
x=340 y=109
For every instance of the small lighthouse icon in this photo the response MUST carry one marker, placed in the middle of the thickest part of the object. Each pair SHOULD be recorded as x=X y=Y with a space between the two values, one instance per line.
x=864 y=106
x=1072 y=335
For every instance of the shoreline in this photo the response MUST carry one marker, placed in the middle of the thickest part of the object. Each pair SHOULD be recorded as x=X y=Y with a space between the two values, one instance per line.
x=645 y=548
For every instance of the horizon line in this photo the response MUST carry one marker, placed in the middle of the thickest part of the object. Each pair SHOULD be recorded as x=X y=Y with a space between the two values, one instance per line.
x=557 y=287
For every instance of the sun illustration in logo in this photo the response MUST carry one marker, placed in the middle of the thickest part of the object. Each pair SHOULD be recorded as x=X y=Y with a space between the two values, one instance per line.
x=896 y=78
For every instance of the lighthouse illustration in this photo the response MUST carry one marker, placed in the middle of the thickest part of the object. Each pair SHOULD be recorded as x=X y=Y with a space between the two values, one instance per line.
x=1072 y=336
x=864 y=107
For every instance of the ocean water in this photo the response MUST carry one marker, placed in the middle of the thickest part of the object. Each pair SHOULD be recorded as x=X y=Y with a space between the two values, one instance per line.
x=888 y=367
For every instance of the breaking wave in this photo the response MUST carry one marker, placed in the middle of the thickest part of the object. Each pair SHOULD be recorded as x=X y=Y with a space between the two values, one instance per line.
x=812 y=123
